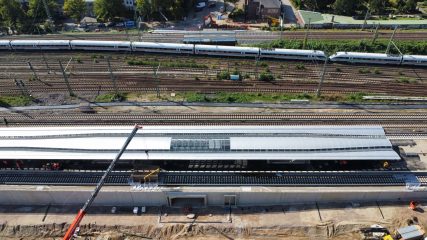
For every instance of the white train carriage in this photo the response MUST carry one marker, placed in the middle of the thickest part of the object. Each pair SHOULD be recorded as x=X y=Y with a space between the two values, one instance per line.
x=226 y=51
x=414 y=60
x=357 y=57
x=281 y=53
x=40 y=44
x=5 y=45
x=163 y=47
x=100 y=45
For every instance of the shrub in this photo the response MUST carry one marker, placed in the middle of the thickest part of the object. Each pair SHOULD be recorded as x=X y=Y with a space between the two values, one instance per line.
x=237 y=14
x=223 y=75
x=377 y=71
x=364 y=70
x=300 y=66
x=266 y=77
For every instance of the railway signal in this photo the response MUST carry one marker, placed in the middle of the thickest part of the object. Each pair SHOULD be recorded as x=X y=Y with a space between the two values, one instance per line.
x=76 y=222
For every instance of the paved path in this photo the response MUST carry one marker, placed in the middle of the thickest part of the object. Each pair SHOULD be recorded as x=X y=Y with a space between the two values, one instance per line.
x=290 y=12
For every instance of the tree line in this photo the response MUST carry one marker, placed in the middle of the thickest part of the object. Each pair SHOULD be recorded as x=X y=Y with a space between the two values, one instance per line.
x=357 y=7
x=27 y=18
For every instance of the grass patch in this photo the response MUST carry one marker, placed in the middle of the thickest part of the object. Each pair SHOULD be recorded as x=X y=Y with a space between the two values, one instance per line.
x=377 y=71
x=364 y=70
x=110 y=97
x=263 y=64
x=32 y=78
x=223 y=75
x=403 y=79
x=230 y=97
x=14 y=101
x=300 y=66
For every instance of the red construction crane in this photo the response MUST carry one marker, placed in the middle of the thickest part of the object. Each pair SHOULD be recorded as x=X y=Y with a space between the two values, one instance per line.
x=76 y=222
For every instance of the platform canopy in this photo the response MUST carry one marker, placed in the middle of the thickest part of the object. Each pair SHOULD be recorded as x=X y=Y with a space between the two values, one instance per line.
x=287 y=143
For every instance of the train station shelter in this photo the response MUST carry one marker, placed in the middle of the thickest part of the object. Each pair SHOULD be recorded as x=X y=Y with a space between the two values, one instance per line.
x=275 y=143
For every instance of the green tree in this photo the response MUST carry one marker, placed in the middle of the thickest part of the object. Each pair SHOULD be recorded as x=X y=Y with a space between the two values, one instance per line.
x=11 y=14
x=346 y=7
x=377 y=6
x=36 y=8
x=173 y=9
x=75 y=9
x=410 y=6
x=144 y=8
x=317 y=5
x=106 y=10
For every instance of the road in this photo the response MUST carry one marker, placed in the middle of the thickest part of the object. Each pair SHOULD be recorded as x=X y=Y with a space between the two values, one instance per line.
x=290 y=13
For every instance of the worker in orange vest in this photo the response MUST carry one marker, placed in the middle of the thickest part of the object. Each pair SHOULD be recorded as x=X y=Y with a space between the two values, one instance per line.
x=413 y=205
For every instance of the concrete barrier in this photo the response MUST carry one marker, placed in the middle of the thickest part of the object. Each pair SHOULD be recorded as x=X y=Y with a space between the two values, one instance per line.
x=215 y=196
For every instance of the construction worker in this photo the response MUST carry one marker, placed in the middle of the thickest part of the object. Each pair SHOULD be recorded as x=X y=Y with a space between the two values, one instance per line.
x=413 y=205
x=386 y=164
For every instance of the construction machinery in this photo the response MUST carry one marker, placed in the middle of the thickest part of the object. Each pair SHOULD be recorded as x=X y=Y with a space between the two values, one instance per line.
x=76 y=222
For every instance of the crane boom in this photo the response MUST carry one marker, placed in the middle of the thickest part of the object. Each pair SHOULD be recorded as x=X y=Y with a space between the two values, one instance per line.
x=83 y=210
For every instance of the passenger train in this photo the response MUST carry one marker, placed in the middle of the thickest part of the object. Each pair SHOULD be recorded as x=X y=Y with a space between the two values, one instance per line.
x=213 y=50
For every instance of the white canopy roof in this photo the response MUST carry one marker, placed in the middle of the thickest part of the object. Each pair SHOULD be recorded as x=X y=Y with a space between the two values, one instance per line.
x=189 y=143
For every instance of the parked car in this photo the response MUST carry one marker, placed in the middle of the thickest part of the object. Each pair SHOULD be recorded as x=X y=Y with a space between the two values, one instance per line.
x=200 y=6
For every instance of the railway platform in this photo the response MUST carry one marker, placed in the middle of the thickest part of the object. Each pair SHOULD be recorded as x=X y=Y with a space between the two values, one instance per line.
x=202 y=196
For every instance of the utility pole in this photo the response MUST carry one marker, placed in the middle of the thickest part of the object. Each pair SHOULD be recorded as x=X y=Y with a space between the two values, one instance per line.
x=157 y=80
x=256 y=68
x=391 y=40
x=322 y=77
x=20 y=84
x=46 y=8
x=47 y=64
x=306 y=34
x=113 y=78
x=365 y=20
x=139 y=28
x=34 y=72
x=374 y=39
x=64 y=74
x=281 y=25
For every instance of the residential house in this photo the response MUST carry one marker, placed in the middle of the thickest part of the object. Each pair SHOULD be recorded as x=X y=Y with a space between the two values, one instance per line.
x=262 y=9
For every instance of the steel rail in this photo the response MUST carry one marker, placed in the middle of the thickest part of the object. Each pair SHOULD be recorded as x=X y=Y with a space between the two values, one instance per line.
x=222 y=178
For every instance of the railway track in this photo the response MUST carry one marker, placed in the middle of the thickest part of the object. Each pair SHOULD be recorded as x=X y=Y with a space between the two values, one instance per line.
x=291 y=76
x=241 y=37
x=197 y=116
x=221 y=178
x=397 y=126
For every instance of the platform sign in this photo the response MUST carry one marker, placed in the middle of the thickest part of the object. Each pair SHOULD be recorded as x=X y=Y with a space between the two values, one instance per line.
x=129 y=24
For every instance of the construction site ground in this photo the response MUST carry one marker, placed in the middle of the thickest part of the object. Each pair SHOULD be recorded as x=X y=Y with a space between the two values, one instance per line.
x=296 y=222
